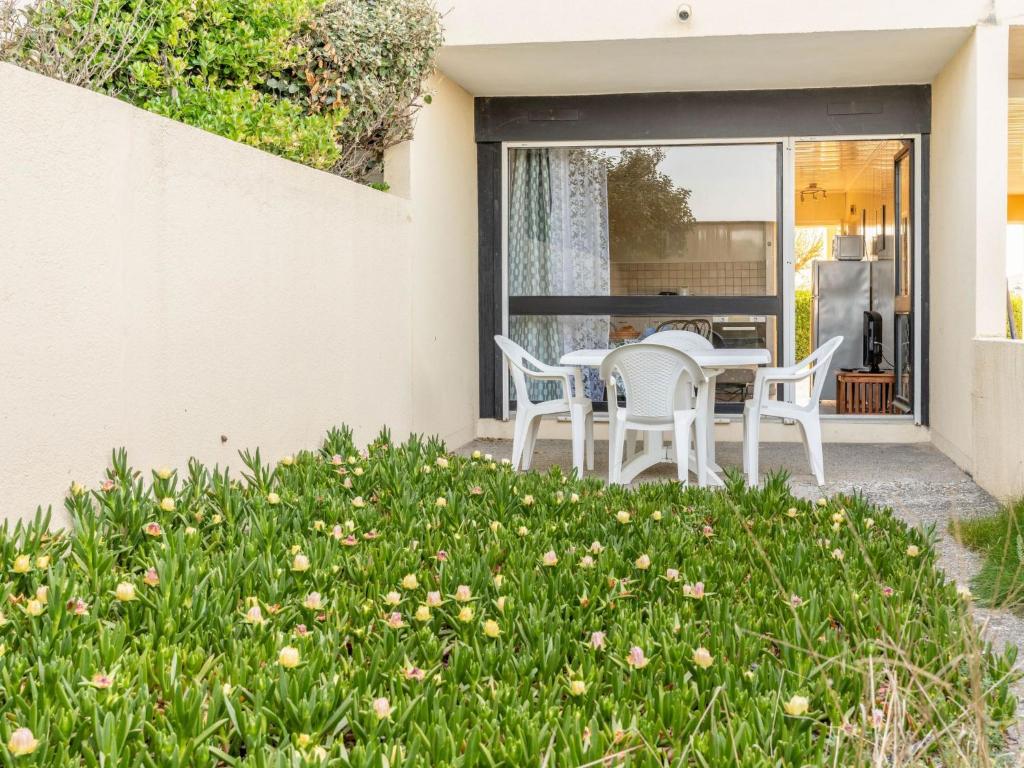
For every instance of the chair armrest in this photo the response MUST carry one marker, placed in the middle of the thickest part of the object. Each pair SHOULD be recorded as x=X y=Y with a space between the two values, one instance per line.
x=566 y=375
x=764 y=377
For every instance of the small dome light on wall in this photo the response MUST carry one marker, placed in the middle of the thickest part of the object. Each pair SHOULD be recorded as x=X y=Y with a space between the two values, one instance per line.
x=684 y=13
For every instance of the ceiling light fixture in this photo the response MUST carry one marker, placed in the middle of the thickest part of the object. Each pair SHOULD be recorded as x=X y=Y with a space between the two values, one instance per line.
x=812 y=190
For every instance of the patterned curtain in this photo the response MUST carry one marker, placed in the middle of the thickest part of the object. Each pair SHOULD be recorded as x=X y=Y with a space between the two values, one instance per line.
x=558 y=246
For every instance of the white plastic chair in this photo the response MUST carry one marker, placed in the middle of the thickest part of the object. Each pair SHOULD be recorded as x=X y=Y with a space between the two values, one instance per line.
x=652 y=375
x=574 y=402
x=816 y=367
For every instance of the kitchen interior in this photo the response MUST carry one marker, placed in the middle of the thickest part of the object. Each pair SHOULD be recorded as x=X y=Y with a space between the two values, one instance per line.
x=853 y=266
x=852 y=258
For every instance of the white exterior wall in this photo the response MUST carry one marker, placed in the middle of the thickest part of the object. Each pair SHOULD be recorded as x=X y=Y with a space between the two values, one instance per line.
x=999 y=417
x=495 y=22
x=437 y=171
x=161 y=287
x=967 y=237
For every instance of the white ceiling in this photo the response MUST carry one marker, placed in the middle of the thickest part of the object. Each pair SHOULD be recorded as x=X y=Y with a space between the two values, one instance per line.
x=740 y=62
x=844 y=166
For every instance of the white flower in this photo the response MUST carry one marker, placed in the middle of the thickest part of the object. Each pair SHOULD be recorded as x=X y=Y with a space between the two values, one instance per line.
x=796 y=706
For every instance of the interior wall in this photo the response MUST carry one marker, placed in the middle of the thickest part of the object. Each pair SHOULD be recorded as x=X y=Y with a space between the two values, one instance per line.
x=967 y=237
x=180 y=294
x=437 y=172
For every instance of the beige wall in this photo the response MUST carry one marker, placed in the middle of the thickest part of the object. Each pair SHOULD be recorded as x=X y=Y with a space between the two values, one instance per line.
x=488 y=22
x=437 y=171
x=967 y=238
x=161 y=287
x=999 y=416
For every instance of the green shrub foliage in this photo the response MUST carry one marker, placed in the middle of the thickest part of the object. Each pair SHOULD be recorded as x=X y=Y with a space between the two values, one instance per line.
x=402 y=606
x=281 y=75
x=370 y=58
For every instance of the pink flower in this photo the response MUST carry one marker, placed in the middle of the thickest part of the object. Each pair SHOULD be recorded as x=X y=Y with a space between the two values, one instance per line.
x=336 y=460
x=395 y=620
x=107 y=485
x=99 y=680
x=414 y=673
x=442 y=556
x=888 y=591
x=300 y=630
x=433 y=599
x=350 y=541
x=152 y=578
x=796 y=601
x=78 y=606
x=153 y=529
x=636 y=658
x=597 y=640
x=371 y=535
x=709 y=531
x=476 y=490
x=671 y=574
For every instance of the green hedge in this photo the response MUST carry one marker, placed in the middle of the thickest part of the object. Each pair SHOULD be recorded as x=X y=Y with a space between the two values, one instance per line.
x=402 y=606
x=1016 y=301
x=803 y=324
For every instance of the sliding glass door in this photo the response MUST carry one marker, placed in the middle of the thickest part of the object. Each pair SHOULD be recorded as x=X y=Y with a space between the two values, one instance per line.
x=607 y=244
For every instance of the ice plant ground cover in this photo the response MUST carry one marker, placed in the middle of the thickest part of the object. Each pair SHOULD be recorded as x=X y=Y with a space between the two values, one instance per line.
x=405 y=606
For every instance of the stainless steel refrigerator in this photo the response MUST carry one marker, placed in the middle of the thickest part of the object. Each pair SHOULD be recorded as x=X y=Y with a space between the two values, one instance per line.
x=842 y=292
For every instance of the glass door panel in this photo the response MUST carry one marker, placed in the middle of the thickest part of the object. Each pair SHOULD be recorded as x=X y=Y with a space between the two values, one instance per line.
x=903 y=334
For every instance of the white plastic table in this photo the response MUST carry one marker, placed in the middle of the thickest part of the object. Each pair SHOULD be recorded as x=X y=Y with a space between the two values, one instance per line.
x=713 y=361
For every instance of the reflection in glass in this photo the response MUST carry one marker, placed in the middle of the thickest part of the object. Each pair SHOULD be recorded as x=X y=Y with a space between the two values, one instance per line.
x=632 y=221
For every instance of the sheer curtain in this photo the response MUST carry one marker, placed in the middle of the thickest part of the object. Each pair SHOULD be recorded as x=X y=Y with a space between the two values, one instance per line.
x=558 y=246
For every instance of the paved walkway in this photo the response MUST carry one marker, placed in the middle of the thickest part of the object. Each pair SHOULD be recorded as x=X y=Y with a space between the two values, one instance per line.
x=922 y=486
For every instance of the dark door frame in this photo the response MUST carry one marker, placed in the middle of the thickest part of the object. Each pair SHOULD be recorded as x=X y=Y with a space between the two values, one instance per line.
x=667 y=117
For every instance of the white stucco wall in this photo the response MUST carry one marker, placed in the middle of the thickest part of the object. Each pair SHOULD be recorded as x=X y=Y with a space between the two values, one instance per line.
x=967 y=235
x=161 y=287
x=437 y=172
x=489 y=22
x=998 y=416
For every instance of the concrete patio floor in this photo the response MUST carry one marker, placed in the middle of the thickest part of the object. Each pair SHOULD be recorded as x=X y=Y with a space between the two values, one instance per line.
x=920 y=484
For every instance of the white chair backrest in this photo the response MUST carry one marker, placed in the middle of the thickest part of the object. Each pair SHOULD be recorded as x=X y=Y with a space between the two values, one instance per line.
x=817 y=364
x=520 y=362
x=650 y=374
x=685 y=341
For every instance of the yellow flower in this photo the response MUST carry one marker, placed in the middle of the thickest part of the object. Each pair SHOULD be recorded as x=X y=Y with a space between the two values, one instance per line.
x=42 y=593
x=409 y=581
x=495 y=526
x=837 y=554
x=273 y=498
x=463 y=593
x=313 y=601
x=358 y=471
x=550 y=559
x=476 y=455
x=433 y=599
x=288 y=657
x=395 y=620
x=22 y=564
x=22 y=742
x=837 y=517
x=527 y=500
x=423 y=613
x=796 y=706
x=164 y=473
x=913 y=551
x=303 y=740
x=125 y=592
x=34 y=608
x=522 y=530
x=43 y=562
x=869 y=522
x=167 y=504
x=491 y=628
x=656 y=515
x=358 y=502
x=392 y=598
x=300 y=563
x=287 y=460
x=466 y=615
x=622 y=516
x=441 y=502
x=822 y=502
x=702 y=658
x=791 y=512
x=643 y=562
x=574 y=498
x=577 y=687
x=216 y=519
x=255 y=616
x=189 y=530
x=498 y=580
x=500 y=602
x=77 y=489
